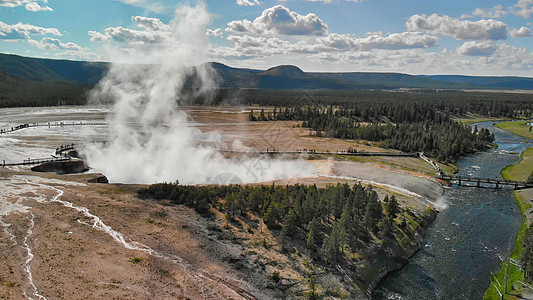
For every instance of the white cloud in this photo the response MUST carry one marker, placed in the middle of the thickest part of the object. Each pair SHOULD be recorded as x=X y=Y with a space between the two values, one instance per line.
x=30 y=5
x=68 y=50
x=495 y=12
x=522 y=32
x=152 y=31
x=150 y=23
x=34 y=6
x=146 y=4
x=258 y=46
x=55 y=44
x=14 y=3
x=459 y=29
x=215 y=32
x=83 y=55
x=473 y=48
x=523 y=8
x=248 y=2
x=23 y=31
x=404 y=40
x=280 y=20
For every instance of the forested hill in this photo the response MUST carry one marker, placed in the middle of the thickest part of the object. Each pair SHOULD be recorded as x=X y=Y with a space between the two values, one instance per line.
x=26 y=81
x=280 y=77
x=52 y=70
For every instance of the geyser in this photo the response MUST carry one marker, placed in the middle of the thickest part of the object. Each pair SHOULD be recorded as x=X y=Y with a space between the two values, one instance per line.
x=149 y=140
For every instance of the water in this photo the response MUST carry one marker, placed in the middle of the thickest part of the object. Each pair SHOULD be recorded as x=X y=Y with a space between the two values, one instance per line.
x=463 y=245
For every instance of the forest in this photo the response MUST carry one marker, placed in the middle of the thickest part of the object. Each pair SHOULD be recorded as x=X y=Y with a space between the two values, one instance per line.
x=408 y=127
x=331 y=222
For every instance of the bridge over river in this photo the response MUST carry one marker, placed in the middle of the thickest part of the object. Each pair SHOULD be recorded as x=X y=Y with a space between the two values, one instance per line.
x=496 y=183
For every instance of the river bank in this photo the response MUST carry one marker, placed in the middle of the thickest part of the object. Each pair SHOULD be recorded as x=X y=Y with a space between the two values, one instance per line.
x=463 y=245
x=524 y=199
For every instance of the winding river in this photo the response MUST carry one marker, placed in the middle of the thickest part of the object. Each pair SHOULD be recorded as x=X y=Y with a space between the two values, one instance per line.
x=463 y=245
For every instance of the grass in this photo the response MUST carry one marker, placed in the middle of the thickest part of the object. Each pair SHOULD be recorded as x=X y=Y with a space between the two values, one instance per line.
x=477 y=120
x=522 y=170
x=519 y=171
x=517 y=127
x=448 y=168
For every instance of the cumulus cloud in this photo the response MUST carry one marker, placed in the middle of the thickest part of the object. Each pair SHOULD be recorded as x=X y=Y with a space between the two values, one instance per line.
x=459 y=29
x=280 y=20
x=150 y=23
x=473 y=48
x=151 y=31
x=495 y=12
x=259 y=46
x=404 y=40
x=22 y=31
x=522 y=32
x=30 y=5
x=248 y=2
x=34 y=6
x=523 y=8
x=55 y=44
x=215 y=32
x=68 y=50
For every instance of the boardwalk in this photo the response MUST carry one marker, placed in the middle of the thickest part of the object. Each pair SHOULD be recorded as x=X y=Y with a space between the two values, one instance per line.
x=35 y=161
x=276 y=152
x=49 y=125
x=496 y=183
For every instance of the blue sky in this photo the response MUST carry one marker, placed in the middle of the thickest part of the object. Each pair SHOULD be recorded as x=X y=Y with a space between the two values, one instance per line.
x=472 y=37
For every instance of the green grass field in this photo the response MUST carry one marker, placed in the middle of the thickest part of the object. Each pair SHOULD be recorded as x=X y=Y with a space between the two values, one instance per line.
x=517 y=127
x=519 y=171
x=522 y=170
x=468 y=121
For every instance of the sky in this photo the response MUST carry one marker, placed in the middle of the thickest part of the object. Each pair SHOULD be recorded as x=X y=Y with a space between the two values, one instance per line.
x=469 y=37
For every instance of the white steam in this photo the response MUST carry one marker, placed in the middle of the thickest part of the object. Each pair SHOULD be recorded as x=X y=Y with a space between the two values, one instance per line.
x=149 y=138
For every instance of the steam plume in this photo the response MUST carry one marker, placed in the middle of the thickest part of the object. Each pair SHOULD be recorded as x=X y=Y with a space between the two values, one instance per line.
x=149 y=139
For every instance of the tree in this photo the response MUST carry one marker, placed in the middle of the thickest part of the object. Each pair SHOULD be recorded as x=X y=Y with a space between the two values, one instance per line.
x=283 y=239
x=392 y=208
x=526 y=258
x=262 y=116
x=386 y=227
x=312 y=237
x=251 y=116
x=291 y=223
x=331 y=245
x=272 y=215
x=230 y=206
x=373 y=212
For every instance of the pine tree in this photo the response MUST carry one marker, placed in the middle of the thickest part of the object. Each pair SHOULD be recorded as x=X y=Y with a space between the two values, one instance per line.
x=251 y=116
x=312 y=237
x=331 y=245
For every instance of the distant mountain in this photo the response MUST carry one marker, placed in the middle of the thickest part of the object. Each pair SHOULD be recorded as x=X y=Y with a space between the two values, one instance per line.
x=28 y=71
x=393 y=80
x=282 y=78
x=52 y=70
x=505 y=82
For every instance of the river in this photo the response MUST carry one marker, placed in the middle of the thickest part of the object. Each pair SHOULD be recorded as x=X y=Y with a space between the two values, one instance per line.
x=462 y=247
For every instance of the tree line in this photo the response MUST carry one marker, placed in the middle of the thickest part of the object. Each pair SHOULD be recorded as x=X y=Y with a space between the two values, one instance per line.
x=408 y=127
x=329 y=222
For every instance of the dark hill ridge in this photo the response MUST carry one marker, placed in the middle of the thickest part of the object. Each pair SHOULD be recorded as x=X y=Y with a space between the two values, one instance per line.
x=50 y=70
x=29 y=71
x=285 y=71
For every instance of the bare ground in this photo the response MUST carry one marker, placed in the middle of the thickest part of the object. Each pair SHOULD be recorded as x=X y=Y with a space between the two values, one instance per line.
x=176 y=253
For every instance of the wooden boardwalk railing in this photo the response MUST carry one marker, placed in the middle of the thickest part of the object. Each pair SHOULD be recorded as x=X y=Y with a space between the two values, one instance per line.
x=35 y=161
x=497 y=183
x=49 y=124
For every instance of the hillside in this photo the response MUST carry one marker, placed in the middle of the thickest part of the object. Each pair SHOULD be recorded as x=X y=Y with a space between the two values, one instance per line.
x=26 y=81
